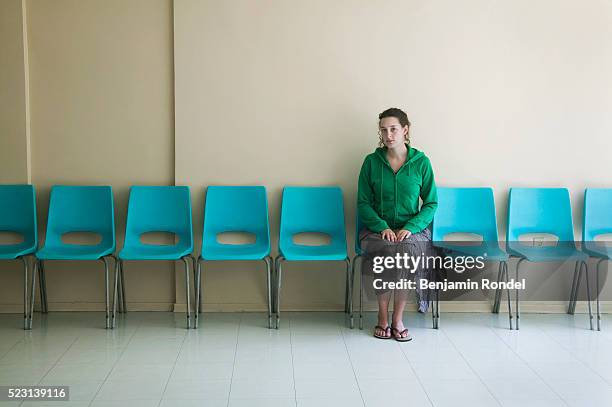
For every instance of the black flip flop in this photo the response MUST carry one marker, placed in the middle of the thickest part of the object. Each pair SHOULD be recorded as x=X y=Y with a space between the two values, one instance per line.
x=387 y=328
x=397 y=335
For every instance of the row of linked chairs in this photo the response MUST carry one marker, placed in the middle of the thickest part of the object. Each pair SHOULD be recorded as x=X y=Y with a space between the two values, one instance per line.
x=90 y=209
x=531 y=211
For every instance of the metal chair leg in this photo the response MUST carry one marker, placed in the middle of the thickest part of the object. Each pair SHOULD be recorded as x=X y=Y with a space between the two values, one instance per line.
x=268 y=261
x=274 y=271
x=437 y=308
x=577 y=289
x=25 y=292
x=588 y=288
x=346 y=291
x=119 y=295
x=506 y=279
x=516 y=293
x=361 y=294
x=573 y=290
x=118 y=266
x=32 y=292
x=106 y=292
x=197 y=287
x=278 y=289
x=497 y=300
x=187 y=291
x=123 y=297
x=597 y=292
x=198 y=290
x=351 y=286
x=433 y=311
x=44 y=305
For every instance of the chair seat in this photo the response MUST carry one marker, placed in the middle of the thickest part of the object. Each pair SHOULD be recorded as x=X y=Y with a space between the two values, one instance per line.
x=295 y=252
x=561 y=252
x=74 y=252
x=155 y=252
x=490 y=251
x=597 y=250
x=221 y=251
x=13 y=251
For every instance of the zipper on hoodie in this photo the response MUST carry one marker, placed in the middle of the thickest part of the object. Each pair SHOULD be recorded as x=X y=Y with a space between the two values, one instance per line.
x=394 y=186
x=395 y=198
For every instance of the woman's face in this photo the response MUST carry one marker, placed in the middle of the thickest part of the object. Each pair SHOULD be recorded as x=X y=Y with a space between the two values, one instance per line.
x=392 y=133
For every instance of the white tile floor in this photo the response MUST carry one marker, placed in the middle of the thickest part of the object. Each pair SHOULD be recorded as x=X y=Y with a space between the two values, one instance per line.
x=313 y=360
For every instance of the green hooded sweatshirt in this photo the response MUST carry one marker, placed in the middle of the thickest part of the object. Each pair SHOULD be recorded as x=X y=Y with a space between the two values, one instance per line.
x=388 y=200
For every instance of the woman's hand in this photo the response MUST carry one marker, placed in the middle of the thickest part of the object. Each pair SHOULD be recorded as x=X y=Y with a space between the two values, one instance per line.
x=402 y=234
x=389 y=235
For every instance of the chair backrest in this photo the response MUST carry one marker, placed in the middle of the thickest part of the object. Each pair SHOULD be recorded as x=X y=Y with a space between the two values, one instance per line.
x=597 y=217
x=159 y=209
x=540 y=210
x=236 y=209
x=81 y=209
x=465 y=210
x=312 y=209
x=18 y=212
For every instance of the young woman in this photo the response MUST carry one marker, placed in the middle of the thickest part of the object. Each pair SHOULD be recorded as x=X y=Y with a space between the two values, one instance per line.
x=391 y=181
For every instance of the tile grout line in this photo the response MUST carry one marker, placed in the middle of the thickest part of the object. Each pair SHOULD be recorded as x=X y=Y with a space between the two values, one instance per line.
x=13 y=347
x=470 y=366
x=577 y=358
x=234 y=361
x=22 y=339
x=174 y=366
x=292 y=363
x=55 y=364
x=352 y=366
x=58 y=359
x=415 y=373
x=114 y=364
x=528 y=365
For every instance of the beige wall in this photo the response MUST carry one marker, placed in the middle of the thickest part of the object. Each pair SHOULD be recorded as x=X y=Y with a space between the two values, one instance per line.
x=13 y=128
x=13 y=106
x=101 y=85
x=286 y=93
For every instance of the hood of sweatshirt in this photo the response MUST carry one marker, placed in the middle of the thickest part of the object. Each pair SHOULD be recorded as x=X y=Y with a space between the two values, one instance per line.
x=413 y=155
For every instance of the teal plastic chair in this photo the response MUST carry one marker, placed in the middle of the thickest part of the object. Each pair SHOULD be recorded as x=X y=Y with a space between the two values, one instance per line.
x=311 y=210
x=597 y=220
x=471 y=210
x=84 y=209
x=18 y=215
x=158 y=209
x=235 y=209
x=543 y=210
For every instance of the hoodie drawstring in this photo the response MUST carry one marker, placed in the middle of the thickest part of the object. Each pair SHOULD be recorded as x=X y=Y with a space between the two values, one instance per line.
x=382 y=181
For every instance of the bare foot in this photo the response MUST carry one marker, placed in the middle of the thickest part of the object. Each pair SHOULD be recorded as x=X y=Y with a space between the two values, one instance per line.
x=382 y=330
x=399 y=330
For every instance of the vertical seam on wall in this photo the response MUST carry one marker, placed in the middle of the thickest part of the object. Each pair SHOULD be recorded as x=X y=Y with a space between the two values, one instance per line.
x=173 y=94
x=26 y=71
